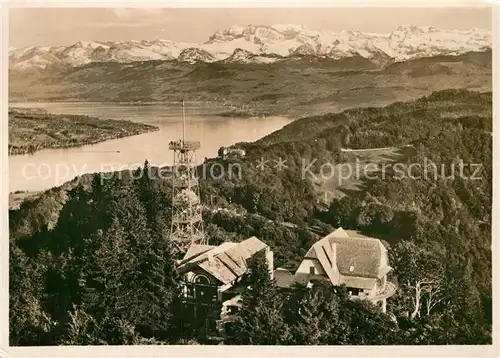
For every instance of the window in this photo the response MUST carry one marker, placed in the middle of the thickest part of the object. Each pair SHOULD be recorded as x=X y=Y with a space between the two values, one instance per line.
x=353 y=291
x=202 y=280
x=312 y=271
x=232 y=310
x=203 y=291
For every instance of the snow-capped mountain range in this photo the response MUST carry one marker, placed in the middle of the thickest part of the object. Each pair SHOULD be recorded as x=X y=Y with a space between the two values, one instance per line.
x=263 y=44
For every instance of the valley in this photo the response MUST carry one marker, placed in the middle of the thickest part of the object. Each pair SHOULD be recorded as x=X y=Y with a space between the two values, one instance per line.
x=329 y=132
x=259 y=70
x=302 y=87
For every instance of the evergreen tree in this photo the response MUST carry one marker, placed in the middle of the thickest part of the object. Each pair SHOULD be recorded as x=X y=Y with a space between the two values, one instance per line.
x=261 y=318
x=367 y=324
x=29 y=323
x=312 y=314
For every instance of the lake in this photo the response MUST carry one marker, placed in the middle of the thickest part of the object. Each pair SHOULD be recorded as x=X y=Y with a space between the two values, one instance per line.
x=52 y=167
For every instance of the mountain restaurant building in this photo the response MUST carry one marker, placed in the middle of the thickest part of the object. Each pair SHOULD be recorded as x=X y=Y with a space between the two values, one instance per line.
x=213 y=281
x=345 y=258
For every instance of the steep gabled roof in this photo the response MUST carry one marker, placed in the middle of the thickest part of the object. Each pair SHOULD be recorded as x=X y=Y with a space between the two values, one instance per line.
x=196 y=250
x=225 y=262
x=356 y=255
x=323 y=251
x=220 y=270
x=358 y=259
x=247 y=248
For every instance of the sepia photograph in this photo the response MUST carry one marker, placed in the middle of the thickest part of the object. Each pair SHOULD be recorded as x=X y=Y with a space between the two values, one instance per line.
x=250 y=176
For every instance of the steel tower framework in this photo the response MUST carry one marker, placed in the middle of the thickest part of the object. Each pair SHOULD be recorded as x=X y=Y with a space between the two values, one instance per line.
x=187 y=222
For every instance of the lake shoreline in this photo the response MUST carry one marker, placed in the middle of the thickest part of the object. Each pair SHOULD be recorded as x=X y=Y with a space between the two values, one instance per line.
x=32 y=130
x=51 y=167
x=77 y=145
x=233 y=110
x=226 y=111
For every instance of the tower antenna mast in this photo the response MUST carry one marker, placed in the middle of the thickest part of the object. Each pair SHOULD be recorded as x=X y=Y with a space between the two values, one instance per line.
x=183 y=122
x=187 y=222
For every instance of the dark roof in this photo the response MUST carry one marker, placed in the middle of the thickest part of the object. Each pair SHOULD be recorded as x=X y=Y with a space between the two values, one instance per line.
x=285 y=278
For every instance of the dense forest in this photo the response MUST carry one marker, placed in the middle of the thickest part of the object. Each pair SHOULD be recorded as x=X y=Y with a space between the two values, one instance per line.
x=92 y=264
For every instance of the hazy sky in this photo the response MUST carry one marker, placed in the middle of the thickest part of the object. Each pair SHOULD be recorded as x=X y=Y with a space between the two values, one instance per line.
x=65 y=26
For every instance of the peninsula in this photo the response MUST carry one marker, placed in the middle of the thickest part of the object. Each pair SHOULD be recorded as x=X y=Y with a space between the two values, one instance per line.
x=33 y=130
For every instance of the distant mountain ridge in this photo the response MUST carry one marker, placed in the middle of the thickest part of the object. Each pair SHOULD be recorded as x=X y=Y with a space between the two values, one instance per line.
x=263 y=44
x=297 y=85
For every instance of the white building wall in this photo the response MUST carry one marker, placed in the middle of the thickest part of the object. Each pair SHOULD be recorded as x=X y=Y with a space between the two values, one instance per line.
x=270 y=261
x=373 y=291
x=384 y=260
x=306 y=264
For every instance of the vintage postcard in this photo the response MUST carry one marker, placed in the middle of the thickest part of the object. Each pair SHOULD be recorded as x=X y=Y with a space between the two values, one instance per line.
x=225 y=176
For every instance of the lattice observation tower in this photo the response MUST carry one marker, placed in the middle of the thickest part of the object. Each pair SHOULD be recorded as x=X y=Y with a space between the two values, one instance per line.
x=187 y=221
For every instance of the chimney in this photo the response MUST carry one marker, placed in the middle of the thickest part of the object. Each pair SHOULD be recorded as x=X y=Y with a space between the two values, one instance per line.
x=210 y=256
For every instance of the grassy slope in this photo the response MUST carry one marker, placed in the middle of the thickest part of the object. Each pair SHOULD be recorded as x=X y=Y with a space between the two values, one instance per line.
x=335 y=184
x=295 y=88
x=321 y=137
x=31 y=132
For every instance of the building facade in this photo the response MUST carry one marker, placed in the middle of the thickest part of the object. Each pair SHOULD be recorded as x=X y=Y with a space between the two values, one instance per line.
x=212 y=282
x=346 y=258
x=231 y=152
